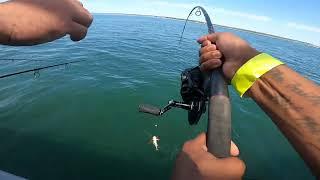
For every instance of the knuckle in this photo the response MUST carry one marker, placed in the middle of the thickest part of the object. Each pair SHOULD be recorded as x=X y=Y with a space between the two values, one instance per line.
x=218 y=55
x=202 y=59
x=203 y=50
x=205 y=57
x=213 y=47
x=207 y=54
x=213 y=54
x=90 y=17
x=213 y=63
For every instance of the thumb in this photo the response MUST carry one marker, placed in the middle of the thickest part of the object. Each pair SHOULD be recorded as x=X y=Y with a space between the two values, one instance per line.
x=197 y=144
x=77 y=31
x=229 y=167
x=200 y=140
x=211 y=37
x=234 y=151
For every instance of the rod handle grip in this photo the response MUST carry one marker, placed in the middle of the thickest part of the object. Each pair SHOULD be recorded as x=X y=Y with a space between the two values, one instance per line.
x=219 y=119
x=219 y=126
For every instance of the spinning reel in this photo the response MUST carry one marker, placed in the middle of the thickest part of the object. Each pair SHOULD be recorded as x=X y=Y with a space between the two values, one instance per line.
x=193 y=94
x=197 y=91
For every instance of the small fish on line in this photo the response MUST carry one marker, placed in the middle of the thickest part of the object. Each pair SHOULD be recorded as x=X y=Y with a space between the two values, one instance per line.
x=154 y=141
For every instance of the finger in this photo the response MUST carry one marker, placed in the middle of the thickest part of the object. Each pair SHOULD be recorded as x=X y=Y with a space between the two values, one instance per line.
x=210 y=55
x=211 y=37
x=229 y=167
x=77 y=32
x=205 y=148
x=206 y=43
x=210 y=65
x=234 y=151
x=202 y=39
x=83 y=17
x=200 y=140
x=206 y=49
x=195 y=145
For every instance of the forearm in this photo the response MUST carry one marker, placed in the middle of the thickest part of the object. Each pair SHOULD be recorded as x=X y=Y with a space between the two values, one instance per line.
x=5 y=25
x=293 y=103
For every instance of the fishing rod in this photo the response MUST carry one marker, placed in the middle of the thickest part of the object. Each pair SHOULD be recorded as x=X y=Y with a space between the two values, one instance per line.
x=199 y=89
x=36 y=70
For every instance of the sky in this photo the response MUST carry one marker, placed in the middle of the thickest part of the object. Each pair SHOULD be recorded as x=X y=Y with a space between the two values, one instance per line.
x=293 y=19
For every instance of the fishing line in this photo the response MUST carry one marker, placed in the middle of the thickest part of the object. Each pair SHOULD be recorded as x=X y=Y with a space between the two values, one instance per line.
x=198 y=12
x=147 y=133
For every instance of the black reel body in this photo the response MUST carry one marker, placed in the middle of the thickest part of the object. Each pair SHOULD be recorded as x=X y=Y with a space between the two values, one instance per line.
x=193 y=94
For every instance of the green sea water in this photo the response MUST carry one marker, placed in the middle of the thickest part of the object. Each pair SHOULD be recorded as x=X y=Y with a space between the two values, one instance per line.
x=81 y=121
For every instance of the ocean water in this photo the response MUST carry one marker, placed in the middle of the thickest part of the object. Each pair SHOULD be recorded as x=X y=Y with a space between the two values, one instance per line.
x=81 y=121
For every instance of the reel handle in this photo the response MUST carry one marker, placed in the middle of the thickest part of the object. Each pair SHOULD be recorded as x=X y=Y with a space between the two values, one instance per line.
x=150 y=110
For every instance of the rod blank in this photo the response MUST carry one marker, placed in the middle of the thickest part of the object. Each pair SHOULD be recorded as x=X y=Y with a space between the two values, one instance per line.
x=219 y=116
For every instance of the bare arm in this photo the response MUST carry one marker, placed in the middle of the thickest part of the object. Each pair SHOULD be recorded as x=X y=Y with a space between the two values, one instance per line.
x=30 y=22
x=4 y=27
x=293 y=103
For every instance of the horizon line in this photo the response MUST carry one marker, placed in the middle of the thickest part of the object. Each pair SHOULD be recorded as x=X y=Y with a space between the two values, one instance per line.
x=224 y=26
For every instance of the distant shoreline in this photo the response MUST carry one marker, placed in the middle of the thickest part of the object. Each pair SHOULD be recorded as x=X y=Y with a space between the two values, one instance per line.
x=227 y=27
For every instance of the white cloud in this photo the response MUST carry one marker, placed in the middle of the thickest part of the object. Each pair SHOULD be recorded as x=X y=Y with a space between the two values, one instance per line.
x=304 y=27
x=215 y=10
x=242 y=14
x=175 y=5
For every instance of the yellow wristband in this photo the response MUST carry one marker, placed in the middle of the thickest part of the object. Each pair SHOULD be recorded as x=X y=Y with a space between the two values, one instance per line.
x=253 y=70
